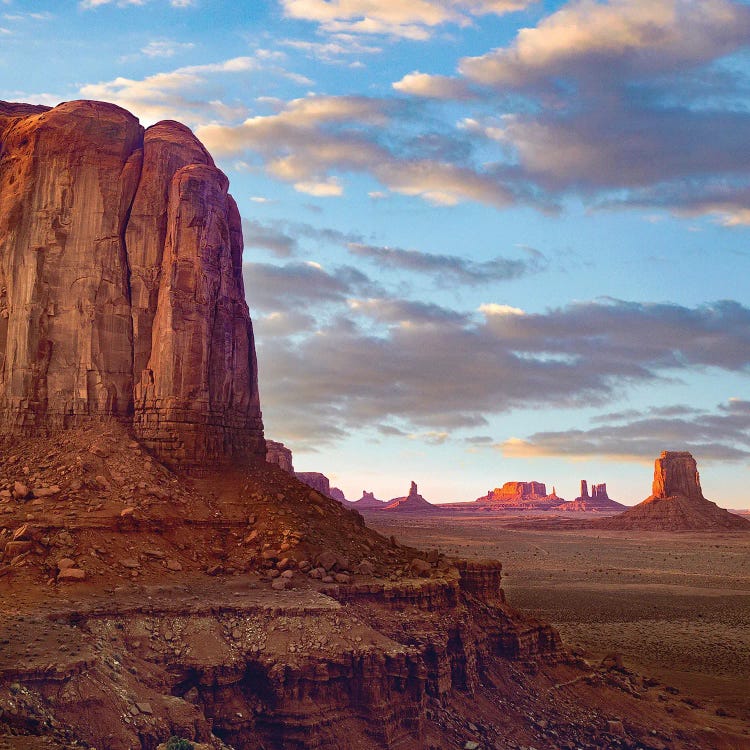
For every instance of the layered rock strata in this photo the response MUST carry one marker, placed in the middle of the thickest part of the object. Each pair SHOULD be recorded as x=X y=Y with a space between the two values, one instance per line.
x=121 y=292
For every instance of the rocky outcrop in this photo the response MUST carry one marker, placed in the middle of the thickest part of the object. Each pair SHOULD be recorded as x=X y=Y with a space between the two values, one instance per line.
x=121 y=293
x=676 y=502
x=411 y=503
x=279 y=454
x=520 y=496
x=321 y=483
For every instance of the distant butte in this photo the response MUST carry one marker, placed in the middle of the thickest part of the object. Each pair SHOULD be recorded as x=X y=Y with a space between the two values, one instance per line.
x=597 y=502
x=676 y=502
x=411 y=503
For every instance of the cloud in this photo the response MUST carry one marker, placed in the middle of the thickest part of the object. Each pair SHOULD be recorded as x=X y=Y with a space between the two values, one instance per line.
x=88 y=4
x=433 y=86
x=594 y=41
x=314 y=138
x=423 y=367
x=269 y=237
x=282 y=288
x=332 y=51
x=625 y=102
x=452 y=269
x=189 y=93
x=165 y=48
x=416 y=19
x=721 y=435
x=193 y=94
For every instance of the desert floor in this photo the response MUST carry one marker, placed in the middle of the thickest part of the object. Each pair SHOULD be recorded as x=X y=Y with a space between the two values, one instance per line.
x=676 y=606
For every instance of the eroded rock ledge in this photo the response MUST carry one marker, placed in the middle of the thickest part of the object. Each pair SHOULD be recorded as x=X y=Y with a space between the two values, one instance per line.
x=121 y=292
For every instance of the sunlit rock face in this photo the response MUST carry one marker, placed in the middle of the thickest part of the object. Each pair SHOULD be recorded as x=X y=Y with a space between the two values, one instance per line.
x=676 y=473
x=121 y=292
x=676 y=502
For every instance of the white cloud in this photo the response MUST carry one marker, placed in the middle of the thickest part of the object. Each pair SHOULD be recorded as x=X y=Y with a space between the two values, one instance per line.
x=432 y=86
x=191 y=94
x=643 y=35
x=165 y=48
x=416 y=19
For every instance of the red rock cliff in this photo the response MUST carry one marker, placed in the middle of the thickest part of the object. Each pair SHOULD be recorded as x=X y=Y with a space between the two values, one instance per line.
x=121 y=292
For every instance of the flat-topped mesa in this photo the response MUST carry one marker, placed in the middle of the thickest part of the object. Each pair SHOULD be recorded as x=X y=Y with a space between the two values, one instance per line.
x=676 y=473
x=121 y=293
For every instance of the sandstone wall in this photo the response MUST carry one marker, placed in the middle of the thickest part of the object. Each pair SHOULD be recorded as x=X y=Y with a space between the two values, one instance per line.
x=121 y=292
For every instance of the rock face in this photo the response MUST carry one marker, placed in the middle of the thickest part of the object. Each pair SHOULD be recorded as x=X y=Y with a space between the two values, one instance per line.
x=121 y=293
x=598 y=501
x=279 y=454
x=676 y=502
x=321 y=483
x=411 y=503
x=521 y=496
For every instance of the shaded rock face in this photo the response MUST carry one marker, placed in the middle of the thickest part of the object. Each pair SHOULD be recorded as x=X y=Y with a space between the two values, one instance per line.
x=321 y=483
x=279 y=454
x=676 y=473
x=121 y=292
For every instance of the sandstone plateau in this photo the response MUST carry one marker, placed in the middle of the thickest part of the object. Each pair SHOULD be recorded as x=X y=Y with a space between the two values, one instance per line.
x=121 y=293
x=676 y=502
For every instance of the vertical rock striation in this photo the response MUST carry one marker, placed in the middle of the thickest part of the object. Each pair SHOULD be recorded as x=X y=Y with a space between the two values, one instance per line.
x=121 y=292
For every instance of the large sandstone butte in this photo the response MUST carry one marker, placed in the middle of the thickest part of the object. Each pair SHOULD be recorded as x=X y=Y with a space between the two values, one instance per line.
x=121 y=292
x=676 y=502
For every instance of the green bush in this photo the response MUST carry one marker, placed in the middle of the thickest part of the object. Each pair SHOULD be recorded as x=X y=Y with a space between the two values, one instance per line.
x=177 y=743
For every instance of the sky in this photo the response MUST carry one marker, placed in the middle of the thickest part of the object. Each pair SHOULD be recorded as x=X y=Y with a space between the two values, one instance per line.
x=485 y=240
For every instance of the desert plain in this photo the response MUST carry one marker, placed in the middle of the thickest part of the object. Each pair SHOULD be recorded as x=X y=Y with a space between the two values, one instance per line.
x=675 y=606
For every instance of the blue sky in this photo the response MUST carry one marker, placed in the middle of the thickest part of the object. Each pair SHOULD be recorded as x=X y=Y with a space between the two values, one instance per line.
x=486 y=240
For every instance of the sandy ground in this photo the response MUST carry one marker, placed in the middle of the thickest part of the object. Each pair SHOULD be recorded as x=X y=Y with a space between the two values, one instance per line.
x=676 y=606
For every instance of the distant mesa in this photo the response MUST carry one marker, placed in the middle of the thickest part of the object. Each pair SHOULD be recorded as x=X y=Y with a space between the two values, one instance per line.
x=411 y=503
x=676 y=502
x=368 y=501
x=279 y=454
x=597 y=502
x=521 y=496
